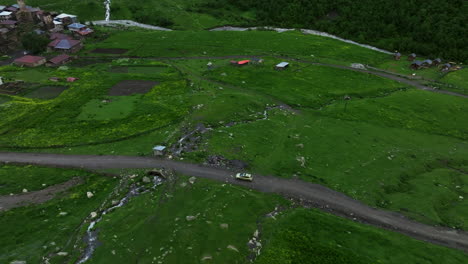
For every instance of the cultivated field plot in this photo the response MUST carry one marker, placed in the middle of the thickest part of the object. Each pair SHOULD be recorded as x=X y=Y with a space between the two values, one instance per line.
x=47 y=92
x=140 y=70
x=110 y=51
x=130 y=87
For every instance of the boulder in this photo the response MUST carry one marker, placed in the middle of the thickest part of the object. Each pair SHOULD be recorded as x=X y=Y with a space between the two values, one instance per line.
x=192 y=180
x=190 y=217
x=224 y=226
x=231 y=247
x=89 y=194
x=62 y=254
x=146 y=179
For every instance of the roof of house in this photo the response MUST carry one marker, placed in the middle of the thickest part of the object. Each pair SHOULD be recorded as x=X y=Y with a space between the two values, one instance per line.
x=65 y=15
x=417 y=63
x=448 y=65
x=282 y=64
x=397 y=54
x=159 y=148
x=59 y=59
x=242 y=62
x=5 y=13
x=2 y=7
x=64 y=43
x=413 y=54
x=427 y=61
x=29 y=59
x=4 y=30
x=11 y=8
x=8 y=22
x=438 y=60
x=76 y=25
x=85 y=32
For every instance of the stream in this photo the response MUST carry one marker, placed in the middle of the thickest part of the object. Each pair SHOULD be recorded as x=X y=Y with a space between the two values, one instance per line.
x=91 y=237
x=108 y=12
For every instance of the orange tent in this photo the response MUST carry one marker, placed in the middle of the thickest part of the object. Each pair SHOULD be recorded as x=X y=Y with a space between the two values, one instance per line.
x=243 y=62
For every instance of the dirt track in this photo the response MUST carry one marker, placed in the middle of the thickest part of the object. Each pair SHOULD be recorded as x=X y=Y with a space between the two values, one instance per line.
x=37 y=197
x=320 y=196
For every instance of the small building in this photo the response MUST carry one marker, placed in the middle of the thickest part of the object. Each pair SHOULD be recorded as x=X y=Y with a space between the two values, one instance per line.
x=72 y=79
x=83 y=32
x=416 y=65
x=76 y=27
x=8 y=24
x=5 y=15
x=282 y=66
x=437 y=61
x=30 y=61
x=412 y=57
x=58 y=60
x=397 y=55
x=2 y=7
x=65 y=45
x=446 y=67
x=427 y=63
x=159 y=150
x=66 y=19
x=1 y=80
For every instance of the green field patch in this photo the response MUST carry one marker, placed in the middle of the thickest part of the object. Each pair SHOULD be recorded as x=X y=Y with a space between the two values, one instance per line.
x=112 y=107
x=30 y=75
x=458 y=81
x=47 y=92
x=303 y=85
x=14 y=179
x=311 y=236
x=147 y=70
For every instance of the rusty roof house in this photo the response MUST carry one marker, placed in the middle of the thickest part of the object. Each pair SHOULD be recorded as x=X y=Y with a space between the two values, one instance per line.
x=30 y=61
x=412 y=57
x=58 y=60
x=416 y=65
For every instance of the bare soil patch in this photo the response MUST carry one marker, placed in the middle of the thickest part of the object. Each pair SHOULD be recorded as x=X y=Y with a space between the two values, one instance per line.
x=129 y=87
x=14 y=88
x=47 y=92
x=109 y=51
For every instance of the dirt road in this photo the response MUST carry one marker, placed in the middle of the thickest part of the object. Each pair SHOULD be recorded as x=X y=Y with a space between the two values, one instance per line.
x=320 y=196
x=37 y=197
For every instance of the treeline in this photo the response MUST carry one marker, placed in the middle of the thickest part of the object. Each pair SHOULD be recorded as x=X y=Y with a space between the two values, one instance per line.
x=434 y=28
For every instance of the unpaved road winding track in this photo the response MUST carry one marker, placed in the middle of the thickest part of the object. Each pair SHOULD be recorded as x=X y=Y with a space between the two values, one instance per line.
x=320 y=196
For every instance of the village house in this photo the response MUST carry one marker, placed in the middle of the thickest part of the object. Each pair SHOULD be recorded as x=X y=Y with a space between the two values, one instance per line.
x=30 y=61
x=11 y=9
x=446 y=67
x=6 y=15
x=412 y=57
x=63 y=20
x=65 y=45
x=416 y=65
x=2 y=7
x=58 y=60
x=397 y=56
x=80 y=30
x=437 y=61
x=10 y=24
x=281 y=66
x=427 y=63
x=159 y=150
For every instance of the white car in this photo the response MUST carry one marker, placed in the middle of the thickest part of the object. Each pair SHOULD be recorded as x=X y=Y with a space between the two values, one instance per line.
x=244 y=176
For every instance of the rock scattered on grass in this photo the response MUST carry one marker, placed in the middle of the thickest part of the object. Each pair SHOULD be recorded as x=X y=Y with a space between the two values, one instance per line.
x=63 y=213
x=231 y=247
x=183 y=184
x=224 y=226
x=62 y=254
x=190 y=217
x=207 y=257
x=93 y=214
x=113 y=252
x=18 y=262
x=89 y=194
x=192 y=180
x=146 y=179
x=25 y=190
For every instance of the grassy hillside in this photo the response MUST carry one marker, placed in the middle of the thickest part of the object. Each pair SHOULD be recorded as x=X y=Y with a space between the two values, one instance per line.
x=226 y=217
x=432 y=28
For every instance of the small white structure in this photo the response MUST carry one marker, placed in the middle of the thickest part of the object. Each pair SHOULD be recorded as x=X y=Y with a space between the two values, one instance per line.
x=1 y=81
x=159 y=150
x=5 y=15
x=64 y=17
x=281 y=66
